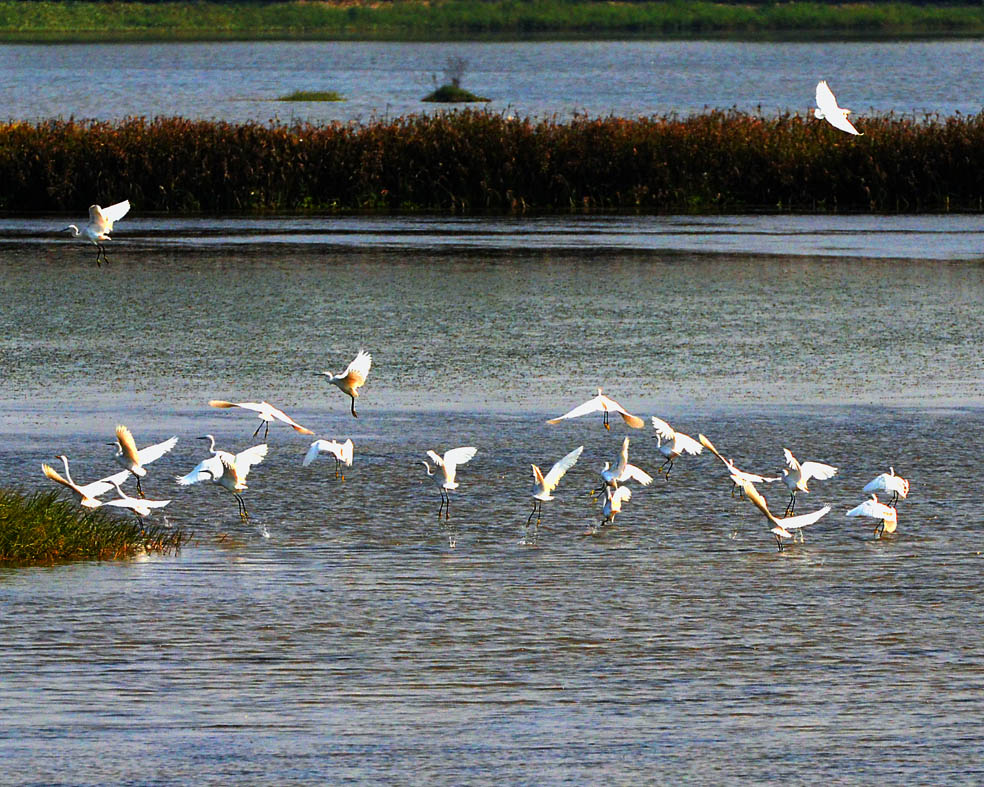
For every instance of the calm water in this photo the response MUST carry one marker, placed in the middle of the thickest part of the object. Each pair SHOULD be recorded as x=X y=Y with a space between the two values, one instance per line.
x=339 y=637
x=240 y=81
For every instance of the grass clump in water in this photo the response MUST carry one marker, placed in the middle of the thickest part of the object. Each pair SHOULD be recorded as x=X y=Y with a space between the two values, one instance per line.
x=312 y=95
x=452 y=94
x=42 y=528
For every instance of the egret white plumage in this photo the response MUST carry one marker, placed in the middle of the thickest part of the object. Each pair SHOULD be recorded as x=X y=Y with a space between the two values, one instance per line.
x=784 y=527
x=139 y=506
x=796 y=475
x=448 y=465
x=128 y=457
x=754 y=478
x=101 y=221
x=887 y=515
x=353 y=378
x=672 y=444
x=232 y=478
x=622 y=471
x=828 y=110
x=341 y=452
x=266 y=412
x=87 y=494
x=603 y=404
x=614 y=498
x=889 y=482
x=544 y=485
x=210 y=468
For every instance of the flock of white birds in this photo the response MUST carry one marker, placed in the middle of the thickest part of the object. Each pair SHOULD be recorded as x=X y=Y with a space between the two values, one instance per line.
x=229 y=471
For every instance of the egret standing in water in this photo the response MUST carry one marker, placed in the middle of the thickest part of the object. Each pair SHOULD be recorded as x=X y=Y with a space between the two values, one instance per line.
x=672 y=444
x=448 y=464
x=100 y=224
x=544 y=485
x=341 y=452
x=266 y=412
x=128 y=457
x=887 y=515
x=889 y=482
x=353 y=378
x=796 y=475
x=603 y=404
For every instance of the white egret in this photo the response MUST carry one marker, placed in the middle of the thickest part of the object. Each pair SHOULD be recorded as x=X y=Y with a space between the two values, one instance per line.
x=128 y=457
x=672 y=444
x=544 y=485
x=87 y=494
x=622 y=471
x=266 y=412
x=100 y=224
x=887 y=515
x=601 y=403
x=212 y=467
x=448 y=464
x=828 y=110
x=796 y=475
x=232 y=478
x=614 y=498
x=140 y=506
x=889 y=482
x=341 y=452
x=754 y=478
x=782 y=528
x=353 y=378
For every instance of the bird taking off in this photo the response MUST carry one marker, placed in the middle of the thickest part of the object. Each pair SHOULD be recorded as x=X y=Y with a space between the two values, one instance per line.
x=828 y=110
x=544 y=485
x=886 y=515
x=101 y=221
x=796 y=475
x=672 y=444
x=889 y=482
x=601 y=403
x=353 y=378
x=448 y=465
x=340 y=452
x=127 y=455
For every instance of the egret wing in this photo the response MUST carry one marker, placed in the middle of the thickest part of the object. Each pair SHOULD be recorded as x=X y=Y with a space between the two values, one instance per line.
x=102 y=486
x=826 y=101
x=621 y=495
x=358 y=370
x=346 y=452
x=663 y=429
x=244 y=460
x=204 y=471
x=802 y=520
x=591 y=406
x=687 y=444
x=551 y=479
x=254 y=406
x=870 y=508
x=115 y=212
x=633 y=473
x=458 y=456
x=280 y=415
x=55 y=476
x=316 y=448
x=791 y=462
x=127 y=444
x=154 y=452
x=841 y=122
x=818 y=470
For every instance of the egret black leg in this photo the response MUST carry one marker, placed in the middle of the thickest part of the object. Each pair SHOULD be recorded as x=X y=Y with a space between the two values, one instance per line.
x=530 y=518
x=791 y=505
x=258 y=429
x=607 y=426
x=353 y=408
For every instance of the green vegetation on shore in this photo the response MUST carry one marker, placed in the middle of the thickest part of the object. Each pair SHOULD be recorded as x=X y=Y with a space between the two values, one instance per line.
x=98 y=20
x=475 y=161
x=43 y=528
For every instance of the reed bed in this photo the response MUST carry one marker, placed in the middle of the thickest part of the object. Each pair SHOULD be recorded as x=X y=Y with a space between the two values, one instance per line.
x=67 y=20
x=477 y=161
x=42 y=528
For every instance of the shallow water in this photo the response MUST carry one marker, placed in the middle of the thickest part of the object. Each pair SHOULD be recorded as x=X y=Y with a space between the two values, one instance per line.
x=339 y=637
x=240 y=81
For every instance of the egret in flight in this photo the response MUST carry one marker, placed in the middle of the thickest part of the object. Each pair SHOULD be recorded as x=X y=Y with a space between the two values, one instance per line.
x=266 y=412
x=733 y=471
x=209 y=468
x=887 y=515
x=353 y=378
x=796 y=475
x=139 y=506
x=87 y=494
x=889 y=482
x=232 y=478
x=341 y=452
x=622 y=472
x=601 y=403
x=785 y=527
x=672 y=444
x=544 y=485
x=128 y=457
x=100 y=224
x=448 y=464
x=828 y=110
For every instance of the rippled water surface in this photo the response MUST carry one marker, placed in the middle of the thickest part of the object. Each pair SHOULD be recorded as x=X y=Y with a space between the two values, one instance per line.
x=346 y=633
x=240 y=81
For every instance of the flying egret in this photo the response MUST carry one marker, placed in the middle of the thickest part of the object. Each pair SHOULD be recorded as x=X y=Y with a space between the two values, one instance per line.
x=128 y=457
x=341 y=452
x=614 y=498
x=232 y=478
x=353 y=378
x=754 y=478
x=782 y=528
x=887 y=515
x=543 y=485
x=889 y=482
x=140 y=506
x=266 y=412
x=212 y=467
x=796 y=475
x=622 y=471
x=602 y=403
x=87 y=494
x=672 y=444
x=100 y=224
x=449 y=465
x=828 y=110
